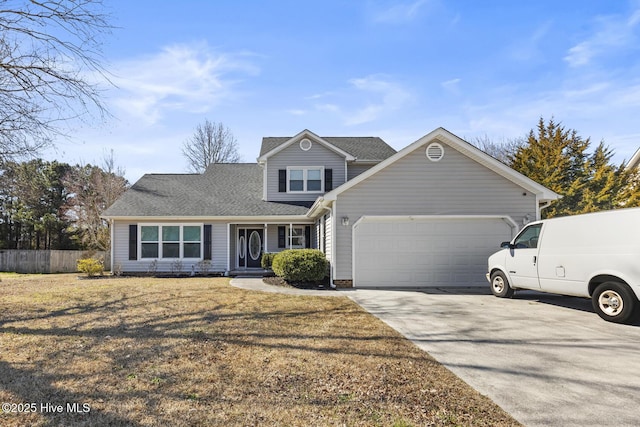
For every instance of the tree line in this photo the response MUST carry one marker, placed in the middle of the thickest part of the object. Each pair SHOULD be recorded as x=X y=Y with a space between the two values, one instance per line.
x=53 y=205
x=561 y=160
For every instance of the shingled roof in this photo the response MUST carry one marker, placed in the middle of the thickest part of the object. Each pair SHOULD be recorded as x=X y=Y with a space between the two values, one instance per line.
x=361 y=147
x=225 y=189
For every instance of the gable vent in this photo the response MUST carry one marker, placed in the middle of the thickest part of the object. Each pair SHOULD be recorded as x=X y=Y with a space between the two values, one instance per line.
x=305 y=144
x=435 y=152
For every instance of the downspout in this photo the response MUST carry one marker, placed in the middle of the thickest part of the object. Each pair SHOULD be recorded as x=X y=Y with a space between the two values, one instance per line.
x=543 y=206
x=333 y=246
x=332 y=263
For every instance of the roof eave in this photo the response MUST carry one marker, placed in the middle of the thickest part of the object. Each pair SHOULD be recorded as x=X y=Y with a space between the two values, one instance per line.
x=203 y=218
x=635 y=161
x=300 y=135
x=459 y=144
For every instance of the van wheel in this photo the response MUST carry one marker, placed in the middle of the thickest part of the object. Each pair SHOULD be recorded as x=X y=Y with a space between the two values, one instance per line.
x=500 y=285
x=614 y=302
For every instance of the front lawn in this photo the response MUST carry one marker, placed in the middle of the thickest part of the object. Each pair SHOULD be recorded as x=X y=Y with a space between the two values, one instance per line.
x=196 y=351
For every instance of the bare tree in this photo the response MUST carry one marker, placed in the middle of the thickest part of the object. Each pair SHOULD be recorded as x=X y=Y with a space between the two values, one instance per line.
x=211 y=143
x=49 y=60
x=92 y=189
x=503 y=151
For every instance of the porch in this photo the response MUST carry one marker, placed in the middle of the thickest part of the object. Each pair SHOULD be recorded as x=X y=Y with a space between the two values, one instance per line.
x=249 y=241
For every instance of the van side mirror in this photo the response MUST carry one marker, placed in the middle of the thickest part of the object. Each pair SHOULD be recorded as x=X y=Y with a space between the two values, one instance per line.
x=505 y=245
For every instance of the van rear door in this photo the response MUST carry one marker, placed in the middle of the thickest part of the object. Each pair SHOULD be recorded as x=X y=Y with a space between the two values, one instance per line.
x=522 y=258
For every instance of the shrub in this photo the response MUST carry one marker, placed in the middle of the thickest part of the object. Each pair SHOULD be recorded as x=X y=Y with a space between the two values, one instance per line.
x=300 y=265
x=91 y=266
x=267 y=260
x=204 y=266
x=176 y=266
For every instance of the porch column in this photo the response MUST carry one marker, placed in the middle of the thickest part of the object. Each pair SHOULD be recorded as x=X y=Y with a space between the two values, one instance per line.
x=265 y=237
x=290 y=235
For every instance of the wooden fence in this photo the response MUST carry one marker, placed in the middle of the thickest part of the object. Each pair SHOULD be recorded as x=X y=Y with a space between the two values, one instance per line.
x=41 y=261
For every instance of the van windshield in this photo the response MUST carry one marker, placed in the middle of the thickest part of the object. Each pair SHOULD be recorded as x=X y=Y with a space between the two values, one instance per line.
x=528 y=238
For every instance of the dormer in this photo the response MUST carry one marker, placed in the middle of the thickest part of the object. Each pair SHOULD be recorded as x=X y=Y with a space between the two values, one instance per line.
x=299 y=169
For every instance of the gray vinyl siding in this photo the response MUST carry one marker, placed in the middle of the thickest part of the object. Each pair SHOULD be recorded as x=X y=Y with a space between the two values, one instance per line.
x=328 y=236
x=219 y=246
x=272 y=239
x=293 y=155
x=354 y=169
x=414 y=185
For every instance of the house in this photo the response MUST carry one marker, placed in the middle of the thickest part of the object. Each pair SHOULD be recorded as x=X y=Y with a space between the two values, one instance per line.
x=634 y=163
x=428 y=215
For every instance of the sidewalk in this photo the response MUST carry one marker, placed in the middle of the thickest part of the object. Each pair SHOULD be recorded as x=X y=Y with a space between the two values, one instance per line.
x=256 y=284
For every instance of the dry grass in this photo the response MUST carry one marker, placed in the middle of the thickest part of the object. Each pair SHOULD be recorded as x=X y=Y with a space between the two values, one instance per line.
x=143 y=351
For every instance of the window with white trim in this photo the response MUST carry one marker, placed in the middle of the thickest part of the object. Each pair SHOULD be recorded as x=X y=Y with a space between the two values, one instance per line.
x=308 y=179
x=170 y=241
x=295 y=237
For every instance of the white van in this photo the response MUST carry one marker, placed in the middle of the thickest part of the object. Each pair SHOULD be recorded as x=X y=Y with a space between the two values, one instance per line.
x=594 y=255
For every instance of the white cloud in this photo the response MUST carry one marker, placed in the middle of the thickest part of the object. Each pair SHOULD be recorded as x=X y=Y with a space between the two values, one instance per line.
x=452 y=86
x=388 y=96
x=191 y=78
x=399 y=13
x=612 y=33
x=365 y=99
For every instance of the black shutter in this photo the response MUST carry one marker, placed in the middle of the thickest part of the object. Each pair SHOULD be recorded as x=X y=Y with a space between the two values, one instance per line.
x=207 y=241
x=307 y=236
x=133 y=242
x=328 y=180
x=282 y=237
x=282 y=180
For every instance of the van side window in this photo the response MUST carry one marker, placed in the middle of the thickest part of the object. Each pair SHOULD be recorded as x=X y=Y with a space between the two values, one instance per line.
x=528 y=238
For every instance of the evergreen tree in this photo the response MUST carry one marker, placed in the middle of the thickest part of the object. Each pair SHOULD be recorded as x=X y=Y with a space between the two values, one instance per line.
x=629 y=195
x=556 y=158
x=605 y=183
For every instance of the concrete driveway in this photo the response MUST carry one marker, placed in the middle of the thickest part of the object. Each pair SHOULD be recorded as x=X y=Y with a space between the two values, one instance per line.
x=545 y=359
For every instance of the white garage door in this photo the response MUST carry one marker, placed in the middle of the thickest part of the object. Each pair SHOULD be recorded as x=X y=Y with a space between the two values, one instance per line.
x=425 y=251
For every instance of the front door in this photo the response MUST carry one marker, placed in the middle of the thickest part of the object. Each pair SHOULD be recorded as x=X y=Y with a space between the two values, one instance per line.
x=250 y=247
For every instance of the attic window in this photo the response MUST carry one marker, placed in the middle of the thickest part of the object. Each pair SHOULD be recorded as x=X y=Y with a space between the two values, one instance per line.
x=305 y=144
x=435 y=152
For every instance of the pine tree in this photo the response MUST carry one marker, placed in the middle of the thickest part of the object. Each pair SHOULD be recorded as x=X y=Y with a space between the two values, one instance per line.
x=555 y=158
x=606 y=181
x=629 y=195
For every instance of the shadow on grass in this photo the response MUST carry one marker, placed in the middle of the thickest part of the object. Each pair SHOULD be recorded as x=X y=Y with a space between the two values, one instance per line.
x=56 y=405
x=203 y=353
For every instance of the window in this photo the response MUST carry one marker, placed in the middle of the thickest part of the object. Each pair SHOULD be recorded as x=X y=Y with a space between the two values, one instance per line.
x=305 y=180
x=296 y=180
x=149 y=241
x=171 y=241
x=191 y=238
x=528 y=238
x=297 y=237
x=314 y=180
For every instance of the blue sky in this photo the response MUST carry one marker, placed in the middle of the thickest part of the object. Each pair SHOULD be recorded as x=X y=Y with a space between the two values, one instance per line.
x=393 y=69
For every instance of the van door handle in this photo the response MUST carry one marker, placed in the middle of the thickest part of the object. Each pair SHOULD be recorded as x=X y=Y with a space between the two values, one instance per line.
x=535 y=259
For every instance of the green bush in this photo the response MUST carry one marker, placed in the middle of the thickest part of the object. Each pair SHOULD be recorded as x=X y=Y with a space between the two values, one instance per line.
x=267 y=260
x=91 y=266
x=300 y=265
